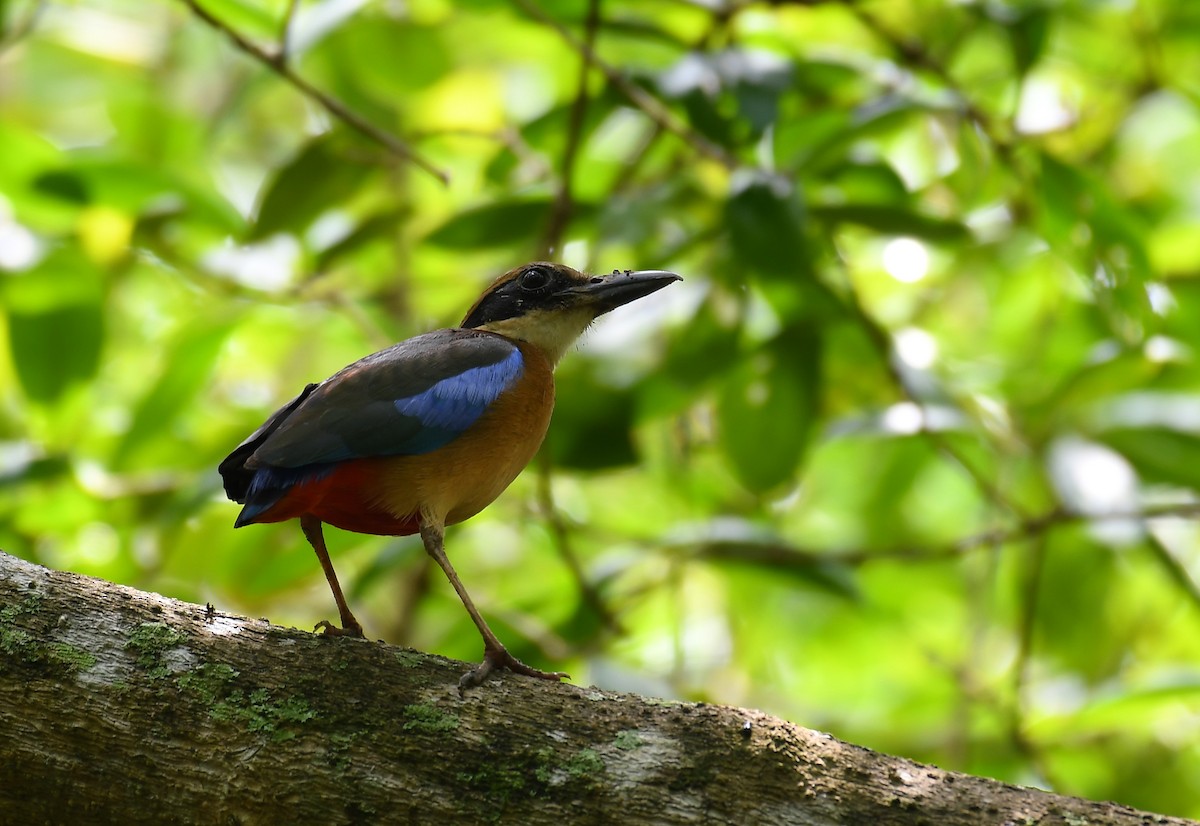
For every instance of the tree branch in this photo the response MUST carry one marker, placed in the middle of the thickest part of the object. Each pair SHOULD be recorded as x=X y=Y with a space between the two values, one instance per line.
x=278 y=64
x=564 y=204
x=639 y=97
x=787 y=556
x=123 y=706
x=22 y=27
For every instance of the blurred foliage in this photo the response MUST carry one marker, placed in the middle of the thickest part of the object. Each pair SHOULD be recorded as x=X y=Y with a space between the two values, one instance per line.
x=942 y=302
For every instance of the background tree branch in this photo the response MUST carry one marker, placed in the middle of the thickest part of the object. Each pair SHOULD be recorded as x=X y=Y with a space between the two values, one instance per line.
x=278 y=63
x=123 y=706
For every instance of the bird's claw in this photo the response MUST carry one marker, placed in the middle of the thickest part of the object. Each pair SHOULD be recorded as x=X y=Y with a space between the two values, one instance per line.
x=349 y=629
x=496 y=659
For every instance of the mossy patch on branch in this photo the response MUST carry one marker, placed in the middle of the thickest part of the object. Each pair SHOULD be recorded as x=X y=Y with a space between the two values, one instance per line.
x=210 y=681
x=70 y=657
x=584 y=763
x=428 y=718
x=150 y=641
x=410 y=659
x=628 y=740
x=28 y=648
x=262 y=714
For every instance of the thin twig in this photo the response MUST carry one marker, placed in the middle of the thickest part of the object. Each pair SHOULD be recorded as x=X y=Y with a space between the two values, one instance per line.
x=1176 y=571
x=414 y=588
x=881 y=338
x=560 y=214
x=561 y=534
x=551 y=247
x=788 y=556
x=510 y=138
x=639 y=97
x=1030 y=589
x=332 y=105
x=917 y=55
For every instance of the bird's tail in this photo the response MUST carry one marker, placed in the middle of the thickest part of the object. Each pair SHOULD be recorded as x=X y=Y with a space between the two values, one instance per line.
x=235 y=472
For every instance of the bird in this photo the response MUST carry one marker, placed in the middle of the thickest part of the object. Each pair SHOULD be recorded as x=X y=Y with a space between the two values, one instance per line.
x=428 y=432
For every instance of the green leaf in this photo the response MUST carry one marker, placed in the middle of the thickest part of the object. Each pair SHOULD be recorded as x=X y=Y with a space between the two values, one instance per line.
x=768 y=409
x=892 y=220
x=1070 y=197
x=766 y=227
x=320 y=177
x=706 y=118
x=185 y=373
x=823 y=138
x=499 y=224
x=593 y=423
x=869 y=183
x=250 y=19
x=381 y=225
x=65 y=185
x=1027 y=38
x=56 y=347
x=703 y=350
x=135 y=188
x=47 y=468
x=830 y=577
x=1160 y=454
x=385 y=56
x=55 y=324
x=1077 y=626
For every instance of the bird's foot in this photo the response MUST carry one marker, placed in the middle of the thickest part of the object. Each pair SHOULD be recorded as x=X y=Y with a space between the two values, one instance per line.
x=495 y=659
x=348 y=629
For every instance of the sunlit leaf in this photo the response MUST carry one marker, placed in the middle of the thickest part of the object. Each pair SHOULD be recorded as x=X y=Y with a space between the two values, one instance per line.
x=387 y=56
x=187 y=368
x=136 y=189
x=245 y=16
x=374 y=228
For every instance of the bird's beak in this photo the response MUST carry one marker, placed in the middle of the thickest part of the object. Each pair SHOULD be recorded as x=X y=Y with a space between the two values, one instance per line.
x=607 y=292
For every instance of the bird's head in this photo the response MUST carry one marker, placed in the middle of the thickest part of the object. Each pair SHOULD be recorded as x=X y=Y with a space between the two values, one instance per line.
x=550 y=305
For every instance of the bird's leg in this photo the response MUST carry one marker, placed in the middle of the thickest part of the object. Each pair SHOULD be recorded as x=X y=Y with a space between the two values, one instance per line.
x=350 y=627
x=495 y=655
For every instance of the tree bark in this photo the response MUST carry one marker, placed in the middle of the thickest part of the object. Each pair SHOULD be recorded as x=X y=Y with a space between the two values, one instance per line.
x=118 y=706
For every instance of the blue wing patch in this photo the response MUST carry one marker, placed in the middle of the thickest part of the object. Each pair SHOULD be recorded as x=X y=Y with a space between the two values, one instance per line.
x=412 y=398
x=453 y=404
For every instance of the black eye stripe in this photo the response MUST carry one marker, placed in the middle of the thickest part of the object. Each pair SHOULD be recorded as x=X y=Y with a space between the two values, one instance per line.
x=534 y=286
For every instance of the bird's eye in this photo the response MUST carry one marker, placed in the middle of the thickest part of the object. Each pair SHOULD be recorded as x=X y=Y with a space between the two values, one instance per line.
x=534 y=279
